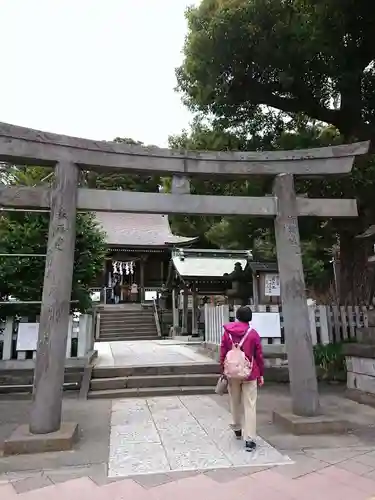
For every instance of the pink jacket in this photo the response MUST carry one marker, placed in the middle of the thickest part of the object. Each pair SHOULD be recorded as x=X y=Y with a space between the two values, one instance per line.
x=252 y=347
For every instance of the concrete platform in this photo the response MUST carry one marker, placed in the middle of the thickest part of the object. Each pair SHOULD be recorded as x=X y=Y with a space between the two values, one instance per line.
x=22 y=442
x=320 y=424
x=147 y=353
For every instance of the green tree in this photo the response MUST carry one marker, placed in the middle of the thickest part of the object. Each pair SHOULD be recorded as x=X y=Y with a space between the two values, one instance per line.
x=27 y=232
x=121 y=181
x=300 y=57
x=241 y=232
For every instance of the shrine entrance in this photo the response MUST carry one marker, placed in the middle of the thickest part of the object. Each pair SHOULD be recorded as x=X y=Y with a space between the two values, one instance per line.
x=69 y=155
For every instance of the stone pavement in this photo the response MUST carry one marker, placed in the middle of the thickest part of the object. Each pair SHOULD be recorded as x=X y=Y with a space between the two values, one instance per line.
x=329 y=483
x=322 y=466
x=165 y=434
x=147 y=353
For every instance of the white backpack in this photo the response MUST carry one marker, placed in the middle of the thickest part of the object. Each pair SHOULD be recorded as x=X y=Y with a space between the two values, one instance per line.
x=236 y=364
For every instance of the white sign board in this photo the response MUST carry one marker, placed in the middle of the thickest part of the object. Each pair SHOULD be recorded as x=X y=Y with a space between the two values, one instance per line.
x=272 y=285
x=27 y=337
x=267 y=324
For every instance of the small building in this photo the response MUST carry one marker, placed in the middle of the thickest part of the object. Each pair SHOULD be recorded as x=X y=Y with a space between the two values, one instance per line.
x=199 y=276
x=139 y=251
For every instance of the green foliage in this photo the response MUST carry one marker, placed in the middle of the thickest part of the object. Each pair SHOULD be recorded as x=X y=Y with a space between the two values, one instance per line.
x=330 y=361
x=295 y=55
x=303 y=60
x=22 y=277
x=120 y=181
x=241 y=232
x=27 y=232
x=24 y=232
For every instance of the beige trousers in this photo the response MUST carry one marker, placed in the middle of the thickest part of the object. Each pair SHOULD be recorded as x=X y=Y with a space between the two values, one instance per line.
x=243 y=398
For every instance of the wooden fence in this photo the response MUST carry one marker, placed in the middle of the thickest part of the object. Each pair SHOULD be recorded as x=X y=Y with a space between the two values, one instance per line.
x=328 y=324
x=79 y=343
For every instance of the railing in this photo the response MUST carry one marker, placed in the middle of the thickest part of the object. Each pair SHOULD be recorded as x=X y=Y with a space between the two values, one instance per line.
x=156 y=316
x=96 y=324
x=328 y=324
x=21 y=342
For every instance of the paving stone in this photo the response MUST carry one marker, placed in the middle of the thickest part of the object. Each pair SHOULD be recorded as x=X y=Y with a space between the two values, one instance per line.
x=224 y=475
x=334 y=455
x=355 y=467
x=366 y=459
x=207 y=457
x=20 y=476
x=182 y=474
x=66 y=474
x=361 y=483
x=137 y=458
x=31 y=483
x=7 y=492
x=303 y=465
x=316 y=485
x=193 y=431
x=125 y=489
x=250 y=470
x=134 y=433
x=152 y=480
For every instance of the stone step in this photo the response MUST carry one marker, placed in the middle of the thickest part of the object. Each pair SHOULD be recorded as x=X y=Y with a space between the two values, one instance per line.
x=124 y=324
x=28 y=388
x=131 y=321
x=124 y=331
x=150 y=392
x=128 y=335
x=135 y=316
x=130 y=331
x=26 y=377
x=126 y=338
x=144 y=381
x=156 y=370
x=130 y=314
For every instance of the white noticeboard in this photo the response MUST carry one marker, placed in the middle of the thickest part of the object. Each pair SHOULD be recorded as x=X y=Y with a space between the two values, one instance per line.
x=272 y=285
x=27 y=337
x=267 y=324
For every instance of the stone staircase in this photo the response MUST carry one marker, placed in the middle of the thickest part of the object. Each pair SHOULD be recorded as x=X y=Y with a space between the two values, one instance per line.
x=126 y=322
x=153 y=381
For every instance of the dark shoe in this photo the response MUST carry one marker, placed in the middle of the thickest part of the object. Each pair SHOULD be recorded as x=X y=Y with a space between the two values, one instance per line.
x=238 y=434
x=250 y=446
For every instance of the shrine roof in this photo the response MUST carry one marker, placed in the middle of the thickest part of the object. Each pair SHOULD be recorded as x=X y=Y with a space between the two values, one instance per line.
x=190 y=262
x=270 y=267
x=138 y=230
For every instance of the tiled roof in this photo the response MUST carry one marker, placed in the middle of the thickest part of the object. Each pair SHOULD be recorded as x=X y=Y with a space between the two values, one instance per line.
x=138 y=230
x=270 y=267
x=206 y=265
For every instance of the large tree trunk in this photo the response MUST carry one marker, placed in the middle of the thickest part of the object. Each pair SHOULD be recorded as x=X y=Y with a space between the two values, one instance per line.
x=356 y=282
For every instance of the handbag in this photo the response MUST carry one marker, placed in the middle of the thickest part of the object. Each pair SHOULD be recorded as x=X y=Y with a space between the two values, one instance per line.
x=221 y=386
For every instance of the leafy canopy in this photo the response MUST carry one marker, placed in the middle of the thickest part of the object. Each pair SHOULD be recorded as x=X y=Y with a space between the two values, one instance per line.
x=27 y=232
x=311 y=56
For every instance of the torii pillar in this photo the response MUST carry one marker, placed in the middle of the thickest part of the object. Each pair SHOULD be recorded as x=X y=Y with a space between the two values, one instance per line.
x=302 y=372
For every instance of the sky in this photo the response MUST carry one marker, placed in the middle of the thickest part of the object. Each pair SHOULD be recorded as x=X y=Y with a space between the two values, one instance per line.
x=98 y=69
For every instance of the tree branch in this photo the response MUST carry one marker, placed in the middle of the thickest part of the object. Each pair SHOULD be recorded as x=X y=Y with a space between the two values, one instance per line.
x=263 y=94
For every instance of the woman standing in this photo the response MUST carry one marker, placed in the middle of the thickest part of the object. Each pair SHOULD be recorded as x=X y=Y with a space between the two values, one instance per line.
x=241 y=343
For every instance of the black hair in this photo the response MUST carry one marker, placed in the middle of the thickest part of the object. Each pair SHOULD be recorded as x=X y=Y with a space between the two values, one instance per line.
x=244 y=314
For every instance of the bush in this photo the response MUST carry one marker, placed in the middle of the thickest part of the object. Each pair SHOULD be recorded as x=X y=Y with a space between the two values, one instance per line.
x=330 y=361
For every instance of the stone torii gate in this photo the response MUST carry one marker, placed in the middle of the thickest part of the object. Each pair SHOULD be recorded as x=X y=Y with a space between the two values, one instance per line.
x=69 y=155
